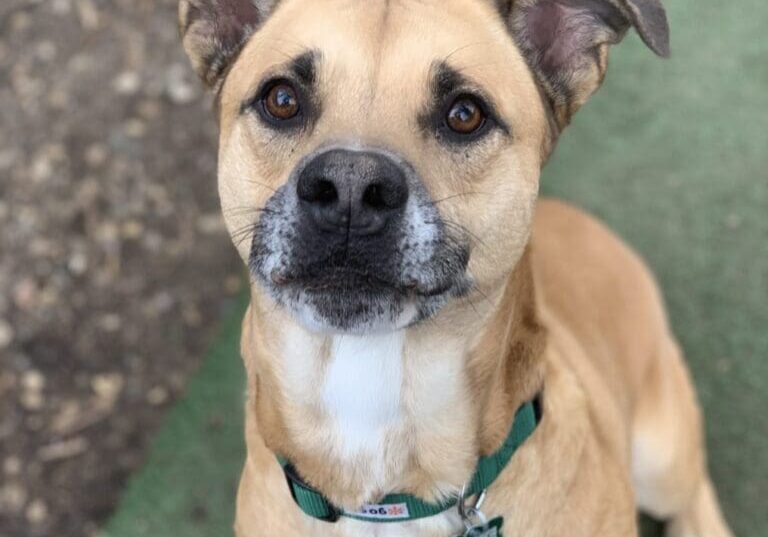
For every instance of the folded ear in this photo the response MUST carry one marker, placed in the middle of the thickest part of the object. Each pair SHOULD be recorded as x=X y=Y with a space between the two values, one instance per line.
x=214 y=32
x=566 y=42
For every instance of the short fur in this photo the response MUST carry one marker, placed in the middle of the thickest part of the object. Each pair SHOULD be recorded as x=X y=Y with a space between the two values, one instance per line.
x=557 y=304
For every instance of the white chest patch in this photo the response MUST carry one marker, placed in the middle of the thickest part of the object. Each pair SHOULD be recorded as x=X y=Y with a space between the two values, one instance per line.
x=362 y=390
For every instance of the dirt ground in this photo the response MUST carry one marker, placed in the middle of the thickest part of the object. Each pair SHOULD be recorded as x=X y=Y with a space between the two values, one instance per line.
x=114 y=264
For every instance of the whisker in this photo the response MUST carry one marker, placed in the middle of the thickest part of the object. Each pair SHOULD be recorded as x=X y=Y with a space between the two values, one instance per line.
x=281 y=52
x=240 y=240
x=240 y=235
x=472 y=305
x=463 y=229
x=476 y=287
x=258 y=183
x=462 y=70
x=246 y=209
x=463 y=47
x=458 y=195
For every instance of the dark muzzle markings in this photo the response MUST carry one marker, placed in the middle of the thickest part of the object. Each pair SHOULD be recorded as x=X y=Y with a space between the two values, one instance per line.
x=353 y=242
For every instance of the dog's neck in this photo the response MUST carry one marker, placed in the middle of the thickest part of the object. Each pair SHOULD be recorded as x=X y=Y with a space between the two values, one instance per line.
x=407 y=411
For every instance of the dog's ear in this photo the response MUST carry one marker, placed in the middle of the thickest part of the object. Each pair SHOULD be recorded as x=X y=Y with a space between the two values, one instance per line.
x=566 y=42
x=214 y=32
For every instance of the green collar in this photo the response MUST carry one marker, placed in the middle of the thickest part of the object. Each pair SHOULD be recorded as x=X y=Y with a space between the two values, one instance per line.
x=404 y=507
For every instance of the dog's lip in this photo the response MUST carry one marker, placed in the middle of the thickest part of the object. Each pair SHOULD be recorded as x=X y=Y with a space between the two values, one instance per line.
x=411 y=286
x=280 y=278
x=436 y=290
x=331 y=280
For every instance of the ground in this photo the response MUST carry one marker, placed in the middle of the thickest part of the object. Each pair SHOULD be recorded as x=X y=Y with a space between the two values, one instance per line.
x=114 y=266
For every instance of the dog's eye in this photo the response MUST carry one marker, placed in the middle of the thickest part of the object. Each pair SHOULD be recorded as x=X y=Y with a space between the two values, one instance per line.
x=281 y=101
x=465 y=115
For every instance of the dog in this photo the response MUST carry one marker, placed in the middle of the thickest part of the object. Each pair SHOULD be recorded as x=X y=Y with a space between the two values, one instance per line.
x=430 y=349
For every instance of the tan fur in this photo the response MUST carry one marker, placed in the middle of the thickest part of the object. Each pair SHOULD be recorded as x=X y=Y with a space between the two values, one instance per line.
x=561 y=304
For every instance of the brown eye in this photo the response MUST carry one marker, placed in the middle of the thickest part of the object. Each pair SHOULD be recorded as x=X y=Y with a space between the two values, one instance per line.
x=281 y=101
x=465 y=116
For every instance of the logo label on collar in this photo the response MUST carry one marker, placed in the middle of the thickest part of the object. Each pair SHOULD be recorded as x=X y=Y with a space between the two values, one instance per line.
x=390 y=511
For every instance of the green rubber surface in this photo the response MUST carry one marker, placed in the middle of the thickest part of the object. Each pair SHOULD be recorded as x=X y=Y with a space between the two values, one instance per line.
x=187 y=486
x=673 y=155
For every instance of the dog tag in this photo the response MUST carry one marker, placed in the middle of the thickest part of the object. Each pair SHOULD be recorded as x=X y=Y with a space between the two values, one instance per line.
x=491 y=529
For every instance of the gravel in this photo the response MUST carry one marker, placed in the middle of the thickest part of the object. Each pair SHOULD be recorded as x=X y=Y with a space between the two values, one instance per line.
x=114 y=263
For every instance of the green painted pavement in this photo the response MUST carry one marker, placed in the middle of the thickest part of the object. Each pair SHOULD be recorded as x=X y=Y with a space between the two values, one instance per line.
x=674 y=156
x=187 y=487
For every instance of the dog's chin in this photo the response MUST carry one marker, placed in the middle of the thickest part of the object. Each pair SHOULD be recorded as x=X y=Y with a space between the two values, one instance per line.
x=347 y=318
x=341 y=307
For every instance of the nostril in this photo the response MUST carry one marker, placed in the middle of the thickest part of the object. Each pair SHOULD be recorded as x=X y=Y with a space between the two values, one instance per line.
x=325 y=191
x=373 y=196
x=318 y=190
x=385 y=194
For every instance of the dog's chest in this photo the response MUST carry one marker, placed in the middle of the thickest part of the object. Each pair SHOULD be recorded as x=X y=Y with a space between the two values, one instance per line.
x=362 y=391
x=346 y=401
x=371 y=405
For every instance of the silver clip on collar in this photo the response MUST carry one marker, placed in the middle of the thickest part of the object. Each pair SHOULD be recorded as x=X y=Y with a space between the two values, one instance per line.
x=471 y=516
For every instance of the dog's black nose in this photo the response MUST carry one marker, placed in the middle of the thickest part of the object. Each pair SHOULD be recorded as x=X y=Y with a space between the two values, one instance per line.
x=355 y=192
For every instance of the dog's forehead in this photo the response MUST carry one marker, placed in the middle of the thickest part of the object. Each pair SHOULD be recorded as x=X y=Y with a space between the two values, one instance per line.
x=378 y=23
x=379 y=40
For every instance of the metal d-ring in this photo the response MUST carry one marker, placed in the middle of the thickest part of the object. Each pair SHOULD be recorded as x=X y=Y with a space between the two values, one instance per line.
x=467 y=514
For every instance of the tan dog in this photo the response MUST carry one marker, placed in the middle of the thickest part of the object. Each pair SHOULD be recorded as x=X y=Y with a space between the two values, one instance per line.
x=378 y=171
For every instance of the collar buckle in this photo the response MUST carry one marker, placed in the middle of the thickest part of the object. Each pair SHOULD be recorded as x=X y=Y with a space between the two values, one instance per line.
x=466 y=513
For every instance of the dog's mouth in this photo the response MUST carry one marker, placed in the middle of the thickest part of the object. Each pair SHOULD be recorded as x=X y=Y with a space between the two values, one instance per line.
x=351 y=287
x=345 y=281
x=349 y=300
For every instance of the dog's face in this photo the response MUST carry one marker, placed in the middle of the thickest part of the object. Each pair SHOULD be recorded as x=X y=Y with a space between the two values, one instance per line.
x=380 y=158
x=394 y=151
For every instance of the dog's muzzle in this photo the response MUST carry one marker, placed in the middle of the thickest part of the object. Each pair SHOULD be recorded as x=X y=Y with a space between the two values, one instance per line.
x=353 y=242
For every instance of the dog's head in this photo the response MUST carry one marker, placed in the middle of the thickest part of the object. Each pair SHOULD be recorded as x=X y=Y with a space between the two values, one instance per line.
x=380 y=158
